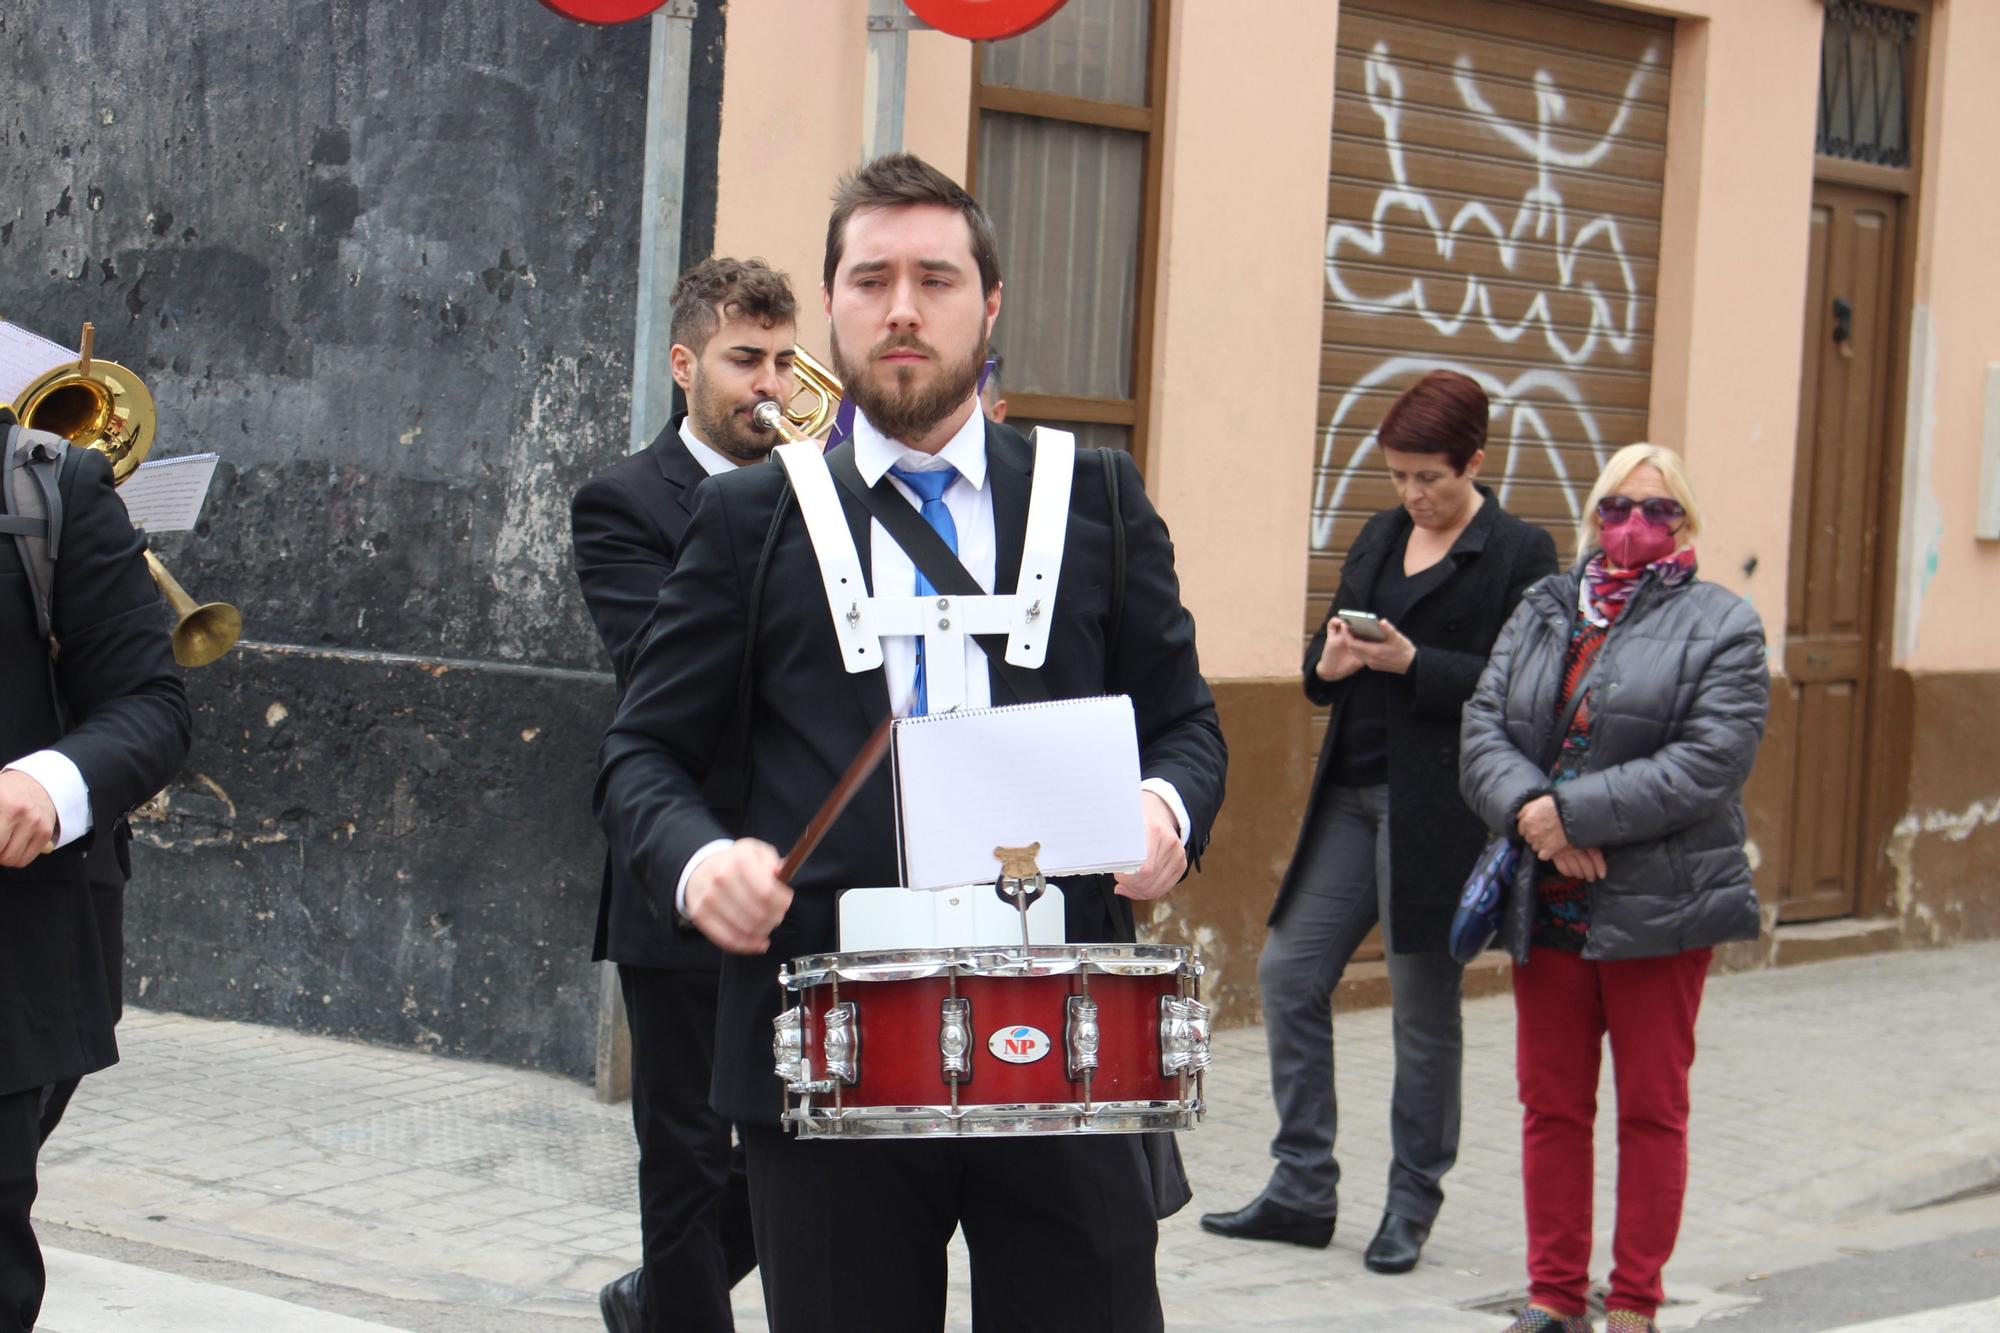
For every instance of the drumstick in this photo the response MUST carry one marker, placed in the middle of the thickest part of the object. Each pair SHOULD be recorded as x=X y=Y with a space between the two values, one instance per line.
x=836 y=800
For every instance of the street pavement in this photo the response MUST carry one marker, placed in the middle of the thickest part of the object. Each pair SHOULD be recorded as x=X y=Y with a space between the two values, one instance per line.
x=226 y=1172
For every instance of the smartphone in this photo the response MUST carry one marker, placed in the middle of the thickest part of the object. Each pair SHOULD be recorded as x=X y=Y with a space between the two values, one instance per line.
x=1363 y=625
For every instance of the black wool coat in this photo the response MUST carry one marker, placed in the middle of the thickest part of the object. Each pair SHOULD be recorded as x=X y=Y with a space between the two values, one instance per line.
x=626 y=526
x=808 y=715
x=115 y=708
x=1433 y=836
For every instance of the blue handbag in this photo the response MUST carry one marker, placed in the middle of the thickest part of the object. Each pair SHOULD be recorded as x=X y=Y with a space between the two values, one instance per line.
x=1483 y=899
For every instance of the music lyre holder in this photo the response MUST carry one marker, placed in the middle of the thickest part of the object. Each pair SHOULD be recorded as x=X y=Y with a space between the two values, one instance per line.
x=1020 y=881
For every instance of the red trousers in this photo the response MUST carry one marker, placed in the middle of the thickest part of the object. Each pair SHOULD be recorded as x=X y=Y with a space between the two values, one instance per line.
x=1564 y=1006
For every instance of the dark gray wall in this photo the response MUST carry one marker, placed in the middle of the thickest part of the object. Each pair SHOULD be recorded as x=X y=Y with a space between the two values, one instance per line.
x=380 y=256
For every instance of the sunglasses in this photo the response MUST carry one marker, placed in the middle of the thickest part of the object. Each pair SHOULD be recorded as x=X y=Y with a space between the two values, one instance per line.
x=1661 y=511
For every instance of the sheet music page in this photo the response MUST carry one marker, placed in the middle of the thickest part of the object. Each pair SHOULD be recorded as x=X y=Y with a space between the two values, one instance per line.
x=24 y=357
x=1064 y=774
x=166 y=494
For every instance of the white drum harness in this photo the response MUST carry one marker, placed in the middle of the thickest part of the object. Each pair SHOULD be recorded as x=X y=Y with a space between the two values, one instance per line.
x=861 y=620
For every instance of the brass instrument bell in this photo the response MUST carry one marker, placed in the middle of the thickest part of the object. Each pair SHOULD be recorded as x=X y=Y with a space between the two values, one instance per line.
x=101 y=405
x=809 y=415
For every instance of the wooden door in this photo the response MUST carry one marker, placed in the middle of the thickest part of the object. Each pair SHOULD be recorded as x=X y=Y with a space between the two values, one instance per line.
x=1832 y=610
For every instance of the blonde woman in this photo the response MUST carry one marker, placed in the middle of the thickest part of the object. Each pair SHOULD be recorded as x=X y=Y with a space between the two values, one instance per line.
x=1612 y=732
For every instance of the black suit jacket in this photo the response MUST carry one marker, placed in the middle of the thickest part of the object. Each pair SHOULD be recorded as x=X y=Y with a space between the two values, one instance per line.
x=809 y=716
x=1433 y=836
x=128 y=729
x=626 y=525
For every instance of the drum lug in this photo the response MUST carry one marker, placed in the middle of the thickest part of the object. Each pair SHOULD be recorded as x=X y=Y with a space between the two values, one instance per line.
x=1082 y=1036
x=841 y=1043
x=788 y=1048
x=1184 y=1031
x=955 y=1039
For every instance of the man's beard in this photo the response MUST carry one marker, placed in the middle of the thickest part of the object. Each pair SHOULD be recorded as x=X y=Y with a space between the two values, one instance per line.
x=906 y=413
x=716 y=420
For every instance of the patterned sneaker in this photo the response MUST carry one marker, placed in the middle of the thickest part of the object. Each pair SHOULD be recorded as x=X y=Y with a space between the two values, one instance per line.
x=1535 y=1319
x=1629 y=1321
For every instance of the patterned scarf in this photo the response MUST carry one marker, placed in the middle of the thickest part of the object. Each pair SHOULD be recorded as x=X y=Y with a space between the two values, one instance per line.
x=1605 y=590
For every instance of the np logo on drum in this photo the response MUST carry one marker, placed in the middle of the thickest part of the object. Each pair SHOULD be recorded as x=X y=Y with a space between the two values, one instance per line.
x=1019 y=1045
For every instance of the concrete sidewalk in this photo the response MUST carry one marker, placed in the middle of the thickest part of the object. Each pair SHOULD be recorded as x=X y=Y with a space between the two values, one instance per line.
x=428 y=1194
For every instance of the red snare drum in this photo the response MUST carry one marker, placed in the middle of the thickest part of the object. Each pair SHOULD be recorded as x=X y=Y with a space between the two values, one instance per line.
x=1045 y=1039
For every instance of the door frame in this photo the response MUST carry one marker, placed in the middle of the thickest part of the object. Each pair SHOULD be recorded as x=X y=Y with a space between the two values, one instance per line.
x=1888 y=707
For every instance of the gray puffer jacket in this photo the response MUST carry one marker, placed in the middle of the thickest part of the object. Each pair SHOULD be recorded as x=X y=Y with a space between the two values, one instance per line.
x=1679 y=695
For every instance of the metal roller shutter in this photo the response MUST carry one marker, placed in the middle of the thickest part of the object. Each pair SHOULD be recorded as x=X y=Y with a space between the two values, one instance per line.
x=1493 y=207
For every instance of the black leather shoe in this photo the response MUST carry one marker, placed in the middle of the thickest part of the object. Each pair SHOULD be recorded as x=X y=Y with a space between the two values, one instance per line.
x=1397 y=1246
x=618 y=1302
x=1263 y=1220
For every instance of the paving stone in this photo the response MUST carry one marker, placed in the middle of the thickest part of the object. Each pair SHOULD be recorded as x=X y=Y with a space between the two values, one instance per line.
x=1819 y=1092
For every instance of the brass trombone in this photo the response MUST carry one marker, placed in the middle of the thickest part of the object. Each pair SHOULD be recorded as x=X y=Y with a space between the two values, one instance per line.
x=101 y=405
x=819 y=388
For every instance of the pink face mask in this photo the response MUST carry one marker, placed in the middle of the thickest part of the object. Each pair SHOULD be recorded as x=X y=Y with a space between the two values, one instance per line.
x=1634 y=543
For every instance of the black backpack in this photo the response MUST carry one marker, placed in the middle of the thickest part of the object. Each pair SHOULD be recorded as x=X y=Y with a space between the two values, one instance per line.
x=32 y=467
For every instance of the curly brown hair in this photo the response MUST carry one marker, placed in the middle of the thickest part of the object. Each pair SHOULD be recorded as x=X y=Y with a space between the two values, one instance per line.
x=720 y=287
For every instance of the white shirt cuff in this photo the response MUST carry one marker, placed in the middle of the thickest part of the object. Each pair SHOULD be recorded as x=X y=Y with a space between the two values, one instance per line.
x=1164 y=789
x=64 y=783
x=701 y=853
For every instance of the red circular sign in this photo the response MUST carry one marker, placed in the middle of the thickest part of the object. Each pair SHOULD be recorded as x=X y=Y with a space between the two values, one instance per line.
x=604 y=11
x=983 y=20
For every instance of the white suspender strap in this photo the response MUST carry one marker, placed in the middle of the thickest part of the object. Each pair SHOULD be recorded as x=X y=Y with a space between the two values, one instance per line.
x=1042 y=548
x=833 y=546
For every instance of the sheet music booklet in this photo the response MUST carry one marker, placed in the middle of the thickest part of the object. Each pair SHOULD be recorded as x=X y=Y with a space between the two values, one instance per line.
x=1064 y=774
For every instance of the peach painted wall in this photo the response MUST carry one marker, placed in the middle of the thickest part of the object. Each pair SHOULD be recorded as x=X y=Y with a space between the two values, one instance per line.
x=1733 y=277
x=1949 y=582
x=792 y=125
x=1237 y=336
x=1240 y=292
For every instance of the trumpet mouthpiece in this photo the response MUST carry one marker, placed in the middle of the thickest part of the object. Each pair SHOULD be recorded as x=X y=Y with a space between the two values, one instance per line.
x=768 y=414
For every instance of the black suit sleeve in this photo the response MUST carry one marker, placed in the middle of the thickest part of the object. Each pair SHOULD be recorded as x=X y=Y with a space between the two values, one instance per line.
x=622 y=558
x=128 y=709
x=1324 y=692
x=1180 y=739
x=1442 y=679
x=677 y=704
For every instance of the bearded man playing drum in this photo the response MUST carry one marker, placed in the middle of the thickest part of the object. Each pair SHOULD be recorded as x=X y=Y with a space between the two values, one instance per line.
x=852 y=1235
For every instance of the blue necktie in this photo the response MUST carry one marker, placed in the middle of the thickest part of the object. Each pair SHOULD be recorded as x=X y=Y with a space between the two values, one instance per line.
x=929 y=488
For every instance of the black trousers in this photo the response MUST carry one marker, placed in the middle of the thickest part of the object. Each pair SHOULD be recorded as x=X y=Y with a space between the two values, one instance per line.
x=26 y=1121
x=694 y=1198
x=852 y=1235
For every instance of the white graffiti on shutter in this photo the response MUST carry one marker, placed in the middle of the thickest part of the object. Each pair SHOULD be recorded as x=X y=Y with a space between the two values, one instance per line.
x=1523 y=406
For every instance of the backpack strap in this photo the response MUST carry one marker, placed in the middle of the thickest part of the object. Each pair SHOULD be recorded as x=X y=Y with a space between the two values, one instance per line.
x=31 y=465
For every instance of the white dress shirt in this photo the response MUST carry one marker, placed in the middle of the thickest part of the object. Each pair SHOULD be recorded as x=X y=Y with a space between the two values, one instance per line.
x=894 y=574
x=712 y=462
x=64 y=783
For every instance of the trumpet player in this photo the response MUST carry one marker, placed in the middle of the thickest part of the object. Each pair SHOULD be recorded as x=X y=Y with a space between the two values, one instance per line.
x=733 y=332
x=88 y=732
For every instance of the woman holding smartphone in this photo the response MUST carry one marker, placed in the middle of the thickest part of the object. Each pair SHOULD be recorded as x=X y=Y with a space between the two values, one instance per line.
x=1423 y=594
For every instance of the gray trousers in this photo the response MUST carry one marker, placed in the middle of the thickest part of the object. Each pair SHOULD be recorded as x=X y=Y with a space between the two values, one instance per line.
x=1340 y=892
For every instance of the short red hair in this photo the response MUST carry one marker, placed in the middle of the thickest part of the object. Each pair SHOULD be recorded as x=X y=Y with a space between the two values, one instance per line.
x=1442 y=413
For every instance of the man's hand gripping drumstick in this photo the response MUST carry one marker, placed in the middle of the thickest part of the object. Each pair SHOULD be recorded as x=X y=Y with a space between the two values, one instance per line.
x=738 y=896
